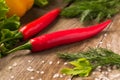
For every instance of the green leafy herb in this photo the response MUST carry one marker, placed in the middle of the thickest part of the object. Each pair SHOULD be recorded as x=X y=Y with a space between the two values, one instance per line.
x=96 y=10
x=3 y=9
x=41 y=3
x=8 y=28
x=82 y=68
x=11 y=23
x=96 y=57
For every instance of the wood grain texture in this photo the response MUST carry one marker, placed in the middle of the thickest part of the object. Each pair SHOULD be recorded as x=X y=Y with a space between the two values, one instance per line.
x=45 y=65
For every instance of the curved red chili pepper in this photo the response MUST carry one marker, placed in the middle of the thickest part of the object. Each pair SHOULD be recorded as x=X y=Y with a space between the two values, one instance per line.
x=51 y=40
x=39 y=24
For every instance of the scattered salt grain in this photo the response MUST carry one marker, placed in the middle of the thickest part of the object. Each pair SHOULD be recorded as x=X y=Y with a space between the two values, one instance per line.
x=101 y=42
x=105 y=35
x=32 y=78
x=96 y=46
x=56 y=75
x=97 y=79
x=58 y=62
x=50 y=62
x=42 y=72
x=15 y=64
x=10 y=67
x=103 y=72
x=12 y=77
x=29 y=61
x=43 y=61
x=94 y=73
x=30 y=69
x=37 y=71
x=61 y=75
x=64 y=74
x=106 y=73
x=98 y=69
x=65 y=63
x=113 y=76
x=108 y=69
x=102 y=77
x=69 y=79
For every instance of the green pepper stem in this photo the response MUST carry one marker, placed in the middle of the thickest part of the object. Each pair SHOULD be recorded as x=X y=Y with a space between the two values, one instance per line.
x=22 y=47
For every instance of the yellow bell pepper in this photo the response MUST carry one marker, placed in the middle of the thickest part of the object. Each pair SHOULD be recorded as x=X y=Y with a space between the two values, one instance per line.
x=19 y=7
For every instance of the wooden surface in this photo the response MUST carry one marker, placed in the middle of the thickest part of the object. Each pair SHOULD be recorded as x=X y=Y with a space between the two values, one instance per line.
x=45 y=65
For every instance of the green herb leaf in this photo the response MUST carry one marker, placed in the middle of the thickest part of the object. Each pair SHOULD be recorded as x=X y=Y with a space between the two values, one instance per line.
x=82 y=67
x=6 y=33
x=11 y=23
x=95 y=10
x=97 y=57
x=3 y=9
x=41 y=3
x=8 y=29
x=84 y=15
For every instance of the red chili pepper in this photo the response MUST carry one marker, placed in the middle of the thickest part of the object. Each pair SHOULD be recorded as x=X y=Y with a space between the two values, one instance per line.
x=34 y=27
x=37 y=25
x=51 y=40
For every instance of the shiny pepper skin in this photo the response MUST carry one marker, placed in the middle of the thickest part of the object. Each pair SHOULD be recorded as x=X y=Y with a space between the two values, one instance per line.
x=18 y=7
x=58 y=38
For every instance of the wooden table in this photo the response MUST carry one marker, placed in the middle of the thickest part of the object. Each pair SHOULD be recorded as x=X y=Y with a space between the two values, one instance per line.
x=45 y=65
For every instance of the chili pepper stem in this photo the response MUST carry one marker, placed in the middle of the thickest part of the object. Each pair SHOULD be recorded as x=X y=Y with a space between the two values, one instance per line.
x=22 y=47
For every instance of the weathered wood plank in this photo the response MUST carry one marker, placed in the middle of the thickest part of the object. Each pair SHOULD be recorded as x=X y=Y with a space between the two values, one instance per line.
x=24 y=65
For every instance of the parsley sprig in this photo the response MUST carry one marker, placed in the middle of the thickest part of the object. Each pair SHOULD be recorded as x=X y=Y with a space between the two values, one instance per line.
x=8 y=28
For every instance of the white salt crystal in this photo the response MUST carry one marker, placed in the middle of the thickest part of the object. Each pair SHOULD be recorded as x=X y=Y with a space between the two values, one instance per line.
x=105 y=34
x=65 y=63
x=42 y=72
x=10 y=67
x=12 y=77
x=58 y=62
x=15 y=64
x=38 y=71
x=56 y=75
x=30 y=69
x=40 y=79
x=101 y=42
x=32 y=78
x=29 y=61
x=50 y=62
x=69 y=79
x=43 y=61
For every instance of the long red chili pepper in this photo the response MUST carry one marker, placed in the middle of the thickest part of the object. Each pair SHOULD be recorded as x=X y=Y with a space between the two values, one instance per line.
x=34 y=27
x=51 y=40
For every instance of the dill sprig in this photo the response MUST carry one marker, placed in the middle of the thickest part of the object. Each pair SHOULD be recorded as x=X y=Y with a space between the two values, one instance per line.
x=96 y=56
x=95 y=10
